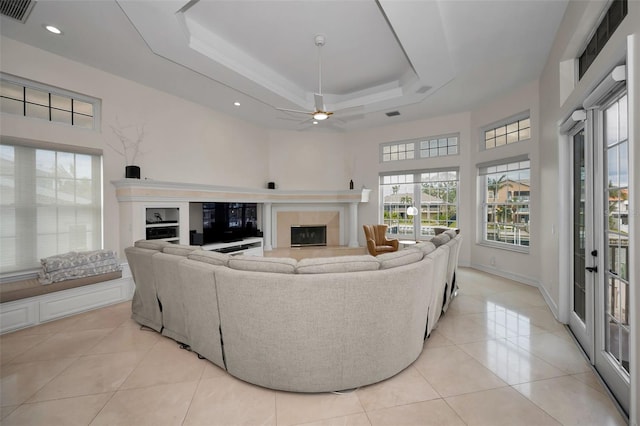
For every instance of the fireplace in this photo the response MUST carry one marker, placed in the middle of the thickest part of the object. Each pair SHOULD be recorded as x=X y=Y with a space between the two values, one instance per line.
x=308 y=235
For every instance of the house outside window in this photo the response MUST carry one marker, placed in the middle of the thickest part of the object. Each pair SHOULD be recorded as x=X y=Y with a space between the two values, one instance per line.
x=506 y=218
x=433 y=192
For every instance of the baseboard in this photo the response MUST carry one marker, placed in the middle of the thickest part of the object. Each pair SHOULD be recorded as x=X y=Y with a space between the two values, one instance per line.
x=32 y=311
x=505 y=274
x=550 y=302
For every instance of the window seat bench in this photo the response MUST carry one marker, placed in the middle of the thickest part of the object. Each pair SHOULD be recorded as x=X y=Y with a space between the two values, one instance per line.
x=28 y=303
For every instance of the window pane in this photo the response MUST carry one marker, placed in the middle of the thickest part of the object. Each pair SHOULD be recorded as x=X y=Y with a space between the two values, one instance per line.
x=37 y=97
x=489 y=134
x=501 y=140
x=512 y=137
x=83 y=108
x=37 y=111
x=524 y=134
x=525 y=124
x=60 y=102
x=45 y=163
x=513 y=127
x=501 y=130
x=60 y=116
x=10 y=90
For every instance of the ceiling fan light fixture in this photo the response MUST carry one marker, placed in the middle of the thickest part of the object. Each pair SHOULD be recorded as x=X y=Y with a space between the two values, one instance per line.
x=320 y=115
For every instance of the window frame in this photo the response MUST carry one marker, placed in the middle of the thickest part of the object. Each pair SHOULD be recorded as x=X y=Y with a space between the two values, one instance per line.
x=484 y=204
x=505 y=122
x=416 y=230
x=417 y=147
x=55 y=91
x=34 y=213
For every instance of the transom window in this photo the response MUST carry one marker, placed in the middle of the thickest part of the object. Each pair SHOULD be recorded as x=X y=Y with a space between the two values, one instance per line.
x=30 y=99
x=398 y=151
x=514 y=130
x=605 y=29
x=433 y=192
x=506 y=189
x=437 y=146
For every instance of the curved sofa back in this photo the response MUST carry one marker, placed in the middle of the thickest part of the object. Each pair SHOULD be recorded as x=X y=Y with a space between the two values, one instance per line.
x=291 y=325
x=320 y=332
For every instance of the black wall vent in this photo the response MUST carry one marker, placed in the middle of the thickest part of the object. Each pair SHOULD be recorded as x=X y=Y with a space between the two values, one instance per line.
x=16 y=9
x=392 y=113
x=423 y=89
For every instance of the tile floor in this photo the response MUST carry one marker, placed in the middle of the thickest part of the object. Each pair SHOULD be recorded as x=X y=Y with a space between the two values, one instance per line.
x=498 y=357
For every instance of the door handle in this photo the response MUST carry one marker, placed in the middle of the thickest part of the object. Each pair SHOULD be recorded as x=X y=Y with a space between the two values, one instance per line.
x=592 y=268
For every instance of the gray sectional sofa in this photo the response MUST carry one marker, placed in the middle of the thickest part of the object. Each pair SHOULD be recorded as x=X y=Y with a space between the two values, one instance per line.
x=314 y=325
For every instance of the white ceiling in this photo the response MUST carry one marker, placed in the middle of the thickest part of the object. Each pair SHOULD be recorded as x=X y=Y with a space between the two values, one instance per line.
x=421 y=58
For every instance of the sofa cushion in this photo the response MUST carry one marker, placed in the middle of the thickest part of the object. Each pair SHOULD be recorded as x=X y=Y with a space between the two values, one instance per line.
x=451 y=233
x=282 y=265
x=323 y=265
x=211 y=257
x=179 y=249
x=151 y=244
x=425 y=247
x=440 y=239
x=399 y=258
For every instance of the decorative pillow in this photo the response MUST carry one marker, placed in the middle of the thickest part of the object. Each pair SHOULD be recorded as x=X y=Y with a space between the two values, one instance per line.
x=440 y=239
x=451 y=233
x=179 y=249
x=212 y=257
x=323 y=265
x=151 y=244
x=426 y=247
x=399 y=258
x=281 y=265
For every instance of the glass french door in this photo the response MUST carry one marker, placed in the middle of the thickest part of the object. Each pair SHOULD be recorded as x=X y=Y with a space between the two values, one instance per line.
x=583 y=242
x=600 y=246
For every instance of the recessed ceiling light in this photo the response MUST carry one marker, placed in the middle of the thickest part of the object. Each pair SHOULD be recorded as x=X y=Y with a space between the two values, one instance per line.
x=236 y=103
x=314 y=122
x=52 y=29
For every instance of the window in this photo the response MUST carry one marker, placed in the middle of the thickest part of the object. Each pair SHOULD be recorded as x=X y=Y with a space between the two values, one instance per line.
x=51 y=203
x=434 y=193
x=506 y=189
x=514 y=130
x=437 y=146
x=607 y=26
x=398 y=151
x=31 y=99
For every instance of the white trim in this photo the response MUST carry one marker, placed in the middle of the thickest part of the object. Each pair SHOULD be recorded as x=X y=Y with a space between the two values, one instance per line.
x=550 y=302
x=523 y=279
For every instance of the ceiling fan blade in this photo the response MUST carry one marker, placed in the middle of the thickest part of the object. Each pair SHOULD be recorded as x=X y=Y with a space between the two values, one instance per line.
x=319 y=101
x=294 y=110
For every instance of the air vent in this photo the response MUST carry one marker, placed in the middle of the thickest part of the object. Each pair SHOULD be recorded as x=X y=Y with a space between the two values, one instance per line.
x=423 y=89
x=17 y=9
x=392 y=113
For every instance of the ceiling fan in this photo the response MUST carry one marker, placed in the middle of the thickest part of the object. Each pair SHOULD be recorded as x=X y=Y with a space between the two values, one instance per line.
x=320 y=113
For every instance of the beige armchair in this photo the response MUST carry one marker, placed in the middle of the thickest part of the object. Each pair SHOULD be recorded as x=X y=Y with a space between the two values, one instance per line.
x=377 y=241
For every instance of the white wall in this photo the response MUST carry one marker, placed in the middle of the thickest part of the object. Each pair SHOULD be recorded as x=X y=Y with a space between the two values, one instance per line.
x=183 y=142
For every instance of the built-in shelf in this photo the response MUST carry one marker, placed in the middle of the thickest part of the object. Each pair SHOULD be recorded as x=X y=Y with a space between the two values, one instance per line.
x=135 y=196
x=162 y=223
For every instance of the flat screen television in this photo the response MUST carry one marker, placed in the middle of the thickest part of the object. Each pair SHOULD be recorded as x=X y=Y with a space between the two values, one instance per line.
x=228 y=222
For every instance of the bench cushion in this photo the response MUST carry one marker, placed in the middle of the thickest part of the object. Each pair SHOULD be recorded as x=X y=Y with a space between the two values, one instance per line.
x=30 y=288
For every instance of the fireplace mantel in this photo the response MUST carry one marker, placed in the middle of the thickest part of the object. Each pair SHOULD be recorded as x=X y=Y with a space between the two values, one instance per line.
x=133 y=193
x=151 y=190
